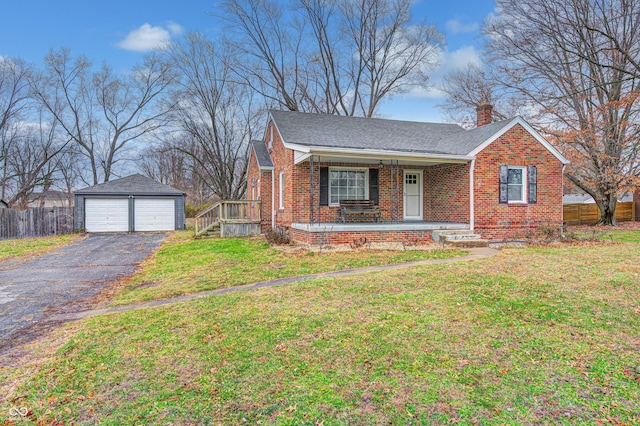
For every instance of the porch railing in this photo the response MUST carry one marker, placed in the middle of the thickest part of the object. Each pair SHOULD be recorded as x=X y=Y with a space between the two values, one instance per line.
x=233 y=218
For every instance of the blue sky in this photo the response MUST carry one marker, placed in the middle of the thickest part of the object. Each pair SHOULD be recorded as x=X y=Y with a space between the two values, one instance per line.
x=119 y=31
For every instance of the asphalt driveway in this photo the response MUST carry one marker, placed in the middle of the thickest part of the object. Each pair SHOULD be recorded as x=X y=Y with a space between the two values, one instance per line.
x=66 y=280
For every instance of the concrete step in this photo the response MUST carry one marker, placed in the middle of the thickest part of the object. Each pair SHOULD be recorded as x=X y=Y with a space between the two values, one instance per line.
x=468 y=243
x=458 y=234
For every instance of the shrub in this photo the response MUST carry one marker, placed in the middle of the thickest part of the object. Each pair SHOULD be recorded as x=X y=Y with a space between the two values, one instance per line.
x=279 y=236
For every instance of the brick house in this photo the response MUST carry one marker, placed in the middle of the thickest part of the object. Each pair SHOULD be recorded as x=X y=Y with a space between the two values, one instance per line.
x=499 y=180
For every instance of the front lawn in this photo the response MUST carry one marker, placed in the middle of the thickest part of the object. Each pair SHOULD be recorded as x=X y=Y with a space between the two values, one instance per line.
x=542 y=335
x=13 y=249
x=184 y=265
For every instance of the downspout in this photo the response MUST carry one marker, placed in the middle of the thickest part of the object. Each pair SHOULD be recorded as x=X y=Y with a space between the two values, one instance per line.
x=273 y=199
x=561 y=203
x=472 y=213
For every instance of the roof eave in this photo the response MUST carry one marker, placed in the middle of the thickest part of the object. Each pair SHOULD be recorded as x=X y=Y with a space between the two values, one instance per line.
x=307 y=151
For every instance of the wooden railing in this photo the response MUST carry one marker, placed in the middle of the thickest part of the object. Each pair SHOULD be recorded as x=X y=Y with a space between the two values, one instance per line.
x=229 y=213
x=207 y=219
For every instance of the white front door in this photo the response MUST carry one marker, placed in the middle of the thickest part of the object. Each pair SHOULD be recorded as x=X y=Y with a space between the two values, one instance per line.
x=413 y=195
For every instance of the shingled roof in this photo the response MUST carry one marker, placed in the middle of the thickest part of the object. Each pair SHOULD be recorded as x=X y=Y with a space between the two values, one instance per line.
x=336 y=131
x=134 y=184
x=262 y=155
x=323 y=132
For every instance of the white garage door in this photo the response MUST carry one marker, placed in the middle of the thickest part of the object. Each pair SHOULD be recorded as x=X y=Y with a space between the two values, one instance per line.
x=106 y=214
x=155 y=214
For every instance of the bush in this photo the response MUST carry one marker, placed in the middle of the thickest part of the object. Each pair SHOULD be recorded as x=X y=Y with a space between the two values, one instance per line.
x=278 y=237
x=192 y=210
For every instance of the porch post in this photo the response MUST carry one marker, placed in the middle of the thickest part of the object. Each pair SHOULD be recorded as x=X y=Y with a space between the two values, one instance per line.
x=397 y=184
x=311 y=192
x=472 y=212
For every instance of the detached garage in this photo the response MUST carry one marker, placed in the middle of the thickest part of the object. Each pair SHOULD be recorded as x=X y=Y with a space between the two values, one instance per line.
x=131 y=204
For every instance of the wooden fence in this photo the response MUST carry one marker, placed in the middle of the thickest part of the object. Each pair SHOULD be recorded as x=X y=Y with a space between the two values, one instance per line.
x=589 y=214
x=35 y=222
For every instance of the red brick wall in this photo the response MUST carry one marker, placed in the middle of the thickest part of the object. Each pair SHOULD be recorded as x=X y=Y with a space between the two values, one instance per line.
x=512 y=221
x=350 y=237
x=448 y=193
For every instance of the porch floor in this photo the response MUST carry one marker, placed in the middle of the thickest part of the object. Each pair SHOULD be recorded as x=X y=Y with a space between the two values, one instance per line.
x=378 y=226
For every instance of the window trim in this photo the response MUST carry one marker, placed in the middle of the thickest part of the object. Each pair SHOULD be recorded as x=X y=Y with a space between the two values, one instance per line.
x=281 y=190
x=365 y=170
x=525 y=185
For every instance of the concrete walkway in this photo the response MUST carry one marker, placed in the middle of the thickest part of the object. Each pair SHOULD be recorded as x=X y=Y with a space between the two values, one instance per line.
x=474 y=254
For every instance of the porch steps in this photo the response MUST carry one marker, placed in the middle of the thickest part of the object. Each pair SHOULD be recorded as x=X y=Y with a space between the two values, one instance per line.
x=213 y=232
x=459 y=238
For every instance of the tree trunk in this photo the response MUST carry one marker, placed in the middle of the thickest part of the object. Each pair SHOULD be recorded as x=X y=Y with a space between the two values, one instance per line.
x=607 y=206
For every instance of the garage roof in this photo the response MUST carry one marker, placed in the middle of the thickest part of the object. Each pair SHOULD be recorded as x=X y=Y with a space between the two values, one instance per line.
x=131 y=185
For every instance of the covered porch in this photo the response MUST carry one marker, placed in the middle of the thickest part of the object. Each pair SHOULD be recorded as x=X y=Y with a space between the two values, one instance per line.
x=414 y=195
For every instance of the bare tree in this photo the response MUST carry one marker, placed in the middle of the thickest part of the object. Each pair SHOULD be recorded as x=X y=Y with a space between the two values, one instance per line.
x=15 y=78
x=100 y=112
x=584 y=88
x=168 y=163
x=214 y=113
x=348 y=57
x=468 y=88
x=32 y=159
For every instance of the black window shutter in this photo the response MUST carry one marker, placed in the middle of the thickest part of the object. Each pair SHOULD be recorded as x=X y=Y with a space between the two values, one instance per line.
x=504 y=183
x=532 y=176
x=373 y=186
x=324 y=186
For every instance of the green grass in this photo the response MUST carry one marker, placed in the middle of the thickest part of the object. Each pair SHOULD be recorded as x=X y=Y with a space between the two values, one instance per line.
x=543 y=335
x=184 y=265
x=13 y=249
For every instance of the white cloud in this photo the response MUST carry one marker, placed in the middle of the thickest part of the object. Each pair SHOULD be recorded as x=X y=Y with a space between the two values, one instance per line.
x=455 y=26
x=147 y=37
x=449 y=61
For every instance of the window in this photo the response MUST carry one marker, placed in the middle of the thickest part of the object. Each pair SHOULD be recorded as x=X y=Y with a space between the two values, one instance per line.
x=270 y=138
x=347 y=184
x=516 y=184
x=281 y=201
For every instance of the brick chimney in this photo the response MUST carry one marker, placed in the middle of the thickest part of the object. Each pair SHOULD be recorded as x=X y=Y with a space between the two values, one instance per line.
x=485 y=111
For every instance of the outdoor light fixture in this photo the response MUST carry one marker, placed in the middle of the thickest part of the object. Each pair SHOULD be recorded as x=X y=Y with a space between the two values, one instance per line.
x=380 y=166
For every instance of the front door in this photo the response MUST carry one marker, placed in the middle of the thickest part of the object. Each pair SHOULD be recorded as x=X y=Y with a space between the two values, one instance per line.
x=413 y=194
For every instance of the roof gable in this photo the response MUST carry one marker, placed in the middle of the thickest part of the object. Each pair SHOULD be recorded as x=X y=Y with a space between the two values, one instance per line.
x=512 y=123
x=262 y=155
x=134 y=184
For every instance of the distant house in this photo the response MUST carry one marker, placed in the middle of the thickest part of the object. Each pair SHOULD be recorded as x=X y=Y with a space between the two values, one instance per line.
x=4 y=204
x=50 y=199
x=335 y=179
